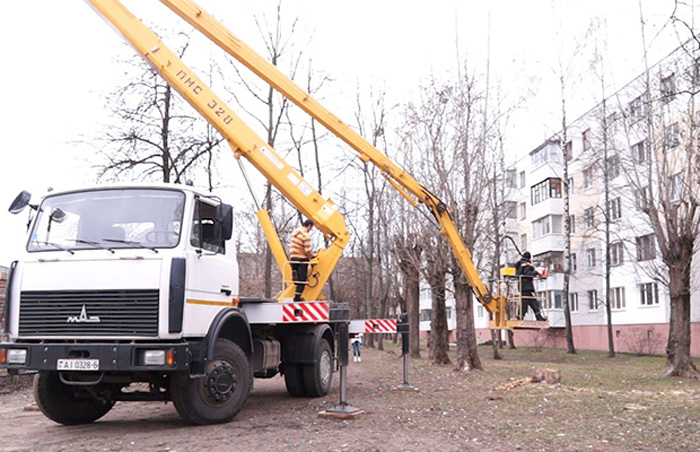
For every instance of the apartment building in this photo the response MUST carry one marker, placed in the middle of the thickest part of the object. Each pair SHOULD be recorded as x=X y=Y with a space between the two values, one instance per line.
x=631 y=148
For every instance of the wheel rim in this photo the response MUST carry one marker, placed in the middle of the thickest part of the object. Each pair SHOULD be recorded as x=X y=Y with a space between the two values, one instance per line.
x=325 y=368
x=220 y=383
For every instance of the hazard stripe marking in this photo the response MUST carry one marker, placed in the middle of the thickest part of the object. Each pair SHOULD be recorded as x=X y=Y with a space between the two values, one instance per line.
x=305 y=312
x=380 y=326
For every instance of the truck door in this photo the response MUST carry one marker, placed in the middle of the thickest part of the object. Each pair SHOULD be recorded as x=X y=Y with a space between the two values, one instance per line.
x=212 y=272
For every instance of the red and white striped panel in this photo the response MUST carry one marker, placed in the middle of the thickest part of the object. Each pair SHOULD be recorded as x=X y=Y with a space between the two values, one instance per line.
x=380 y=326
x=305 y=312
x=534 y=324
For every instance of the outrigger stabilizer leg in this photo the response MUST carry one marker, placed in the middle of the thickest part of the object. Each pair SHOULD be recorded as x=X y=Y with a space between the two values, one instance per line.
x=342 y=410
x=403 y=328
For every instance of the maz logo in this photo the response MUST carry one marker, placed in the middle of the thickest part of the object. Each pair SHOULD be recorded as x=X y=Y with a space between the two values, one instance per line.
x=83 y=318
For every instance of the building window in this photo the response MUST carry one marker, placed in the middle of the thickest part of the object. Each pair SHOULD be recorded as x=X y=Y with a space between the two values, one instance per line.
x=592 y=300
x=637 y=108
x=523 y=210
x=648 y=294
x=480 y=312
x=617 y=254
x=586 y=138
x=614 y=209
x=588 y=177
x=672 y=136
x=642 y=197
x=551 y=224
x=569 y=149
x=676 y=187
x=426 y=294
x=617 y=298
x=646 y=247
x=522 y=179
x=548 y=188
x=572 y=224
x=570 y=186
x=590 y=257
x=613 y=167
x=523 y=241
x=426 y=315
x=668 y=88
x=574 y=265
x=573 y=302
x=640 y=153
x=557 y=294
x=552 y=260
x=589 y=217
x=510 y=209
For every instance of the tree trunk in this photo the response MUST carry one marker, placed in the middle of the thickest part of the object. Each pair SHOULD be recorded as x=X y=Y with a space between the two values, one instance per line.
x=439 y=343
x=409 y=256
x=413 y=303
x=467 y=353
x=496 y=343
x=511 y=340
x=678 y=360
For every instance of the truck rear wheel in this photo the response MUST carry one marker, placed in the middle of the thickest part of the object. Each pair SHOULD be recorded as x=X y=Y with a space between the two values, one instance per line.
x=294 y=379
x=220 y=394
x=318 y=376
x=67 y=404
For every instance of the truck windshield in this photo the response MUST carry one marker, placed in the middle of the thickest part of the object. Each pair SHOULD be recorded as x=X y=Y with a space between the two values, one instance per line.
x=108 y=219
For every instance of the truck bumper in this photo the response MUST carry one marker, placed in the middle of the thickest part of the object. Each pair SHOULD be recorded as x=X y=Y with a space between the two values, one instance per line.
x=100 y=357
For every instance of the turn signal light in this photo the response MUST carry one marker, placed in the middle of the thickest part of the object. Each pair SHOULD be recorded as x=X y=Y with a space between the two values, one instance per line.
x=169 y=357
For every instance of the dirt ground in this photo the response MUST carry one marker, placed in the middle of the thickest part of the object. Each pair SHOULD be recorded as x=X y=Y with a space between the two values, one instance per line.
x=601 y=404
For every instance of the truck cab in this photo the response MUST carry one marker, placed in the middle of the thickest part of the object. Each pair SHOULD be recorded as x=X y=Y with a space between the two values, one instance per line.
x=139 y=284
x=119 y=262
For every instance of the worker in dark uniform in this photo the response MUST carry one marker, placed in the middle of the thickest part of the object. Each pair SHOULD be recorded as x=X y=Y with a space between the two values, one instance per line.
x=527 y=272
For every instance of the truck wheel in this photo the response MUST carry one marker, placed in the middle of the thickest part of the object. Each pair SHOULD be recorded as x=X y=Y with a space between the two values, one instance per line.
x=294 y=380
x=66 y=404
x=318 y=376
x=220 y=394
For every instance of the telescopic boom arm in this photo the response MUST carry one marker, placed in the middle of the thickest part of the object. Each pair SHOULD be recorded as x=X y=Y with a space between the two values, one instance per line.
x=399 y=179
x=240 y=137
x=247 y=144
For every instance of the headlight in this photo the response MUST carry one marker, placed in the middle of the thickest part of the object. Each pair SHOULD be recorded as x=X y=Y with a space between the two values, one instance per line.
x=153 y=357
x=16 y=356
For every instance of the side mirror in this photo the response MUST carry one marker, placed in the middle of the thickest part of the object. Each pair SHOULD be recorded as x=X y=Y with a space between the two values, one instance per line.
x=224 y=219
x=20 y=202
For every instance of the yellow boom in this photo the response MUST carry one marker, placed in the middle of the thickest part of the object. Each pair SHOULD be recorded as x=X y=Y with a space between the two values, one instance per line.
x=245 y=143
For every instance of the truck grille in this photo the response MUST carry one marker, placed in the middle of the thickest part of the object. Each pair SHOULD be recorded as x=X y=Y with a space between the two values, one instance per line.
x=89 y=313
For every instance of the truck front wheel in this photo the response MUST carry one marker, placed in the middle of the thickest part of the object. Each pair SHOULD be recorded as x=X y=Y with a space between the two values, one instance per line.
x=220 y=394
x=318 y=376
x=67 y=404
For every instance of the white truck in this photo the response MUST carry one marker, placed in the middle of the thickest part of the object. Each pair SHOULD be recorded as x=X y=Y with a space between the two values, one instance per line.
x=139 y=284
x=126 y=284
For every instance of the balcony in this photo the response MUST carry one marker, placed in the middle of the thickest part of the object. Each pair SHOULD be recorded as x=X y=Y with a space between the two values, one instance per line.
x=555 y=281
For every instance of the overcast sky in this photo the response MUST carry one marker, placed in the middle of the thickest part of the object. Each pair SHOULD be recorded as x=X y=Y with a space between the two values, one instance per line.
x=58 y=60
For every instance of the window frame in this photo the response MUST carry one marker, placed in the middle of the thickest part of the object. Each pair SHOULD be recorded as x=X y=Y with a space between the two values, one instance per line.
x=592 y=296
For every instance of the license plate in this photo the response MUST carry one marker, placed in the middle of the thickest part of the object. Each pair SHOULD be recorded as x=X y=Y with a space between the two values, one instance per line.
x=78 y=364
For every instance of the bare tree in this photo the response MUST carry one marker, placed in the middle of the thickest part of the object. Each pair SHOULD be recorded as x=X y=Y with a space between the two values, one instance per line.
x=156 y=135
x=409 y=256
x=668 y=181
